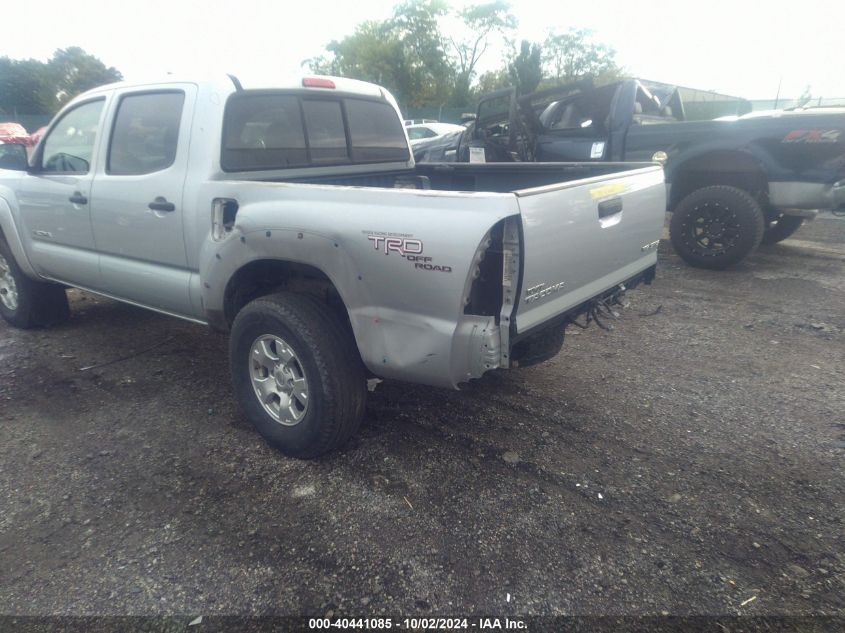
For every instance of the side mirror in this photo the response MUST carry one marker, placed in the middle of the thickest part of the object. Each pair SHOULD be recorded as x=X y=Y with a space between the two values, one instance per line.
x=13 y=157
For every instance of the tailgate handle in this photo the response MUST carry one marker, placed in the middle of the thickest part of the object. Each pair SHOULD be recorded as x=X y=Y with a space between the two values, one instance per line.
x=610 y=207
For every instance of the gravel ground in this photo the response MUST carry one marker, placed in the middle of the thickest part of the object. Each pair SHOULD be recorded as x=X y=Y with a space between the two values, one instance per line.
x=690 y=462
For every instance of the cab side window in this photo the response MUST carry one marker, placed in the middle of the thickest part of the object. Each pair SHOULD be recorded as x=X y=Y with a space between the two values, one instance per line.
x=70 y=144
x=648 y=110
x=145 y=134
x=571 y=116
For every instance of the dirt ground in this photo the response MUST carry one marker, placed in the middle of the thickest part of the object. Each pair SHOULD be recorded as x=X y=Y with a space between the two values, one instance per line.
x=689 y=462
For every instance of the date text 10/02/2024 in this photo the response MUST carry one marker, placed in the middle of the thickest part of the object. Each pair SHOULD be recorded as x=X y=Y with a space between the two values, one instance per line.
x=480 y=624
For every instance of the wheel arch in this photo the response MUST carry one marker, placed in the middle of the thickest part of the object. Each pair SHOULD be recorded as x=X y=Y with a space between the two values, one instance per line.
x=9 y=232
x=719 y=167
x=264 y=276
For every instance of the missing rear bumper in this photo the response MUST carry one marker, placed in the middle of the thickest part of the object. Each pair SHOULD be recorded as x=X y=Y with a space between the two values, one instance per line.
x=545 y=341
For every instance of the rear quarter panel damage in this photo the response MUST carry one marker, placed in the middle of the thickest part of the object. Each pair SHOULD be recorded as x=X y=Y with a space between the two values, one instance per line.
x=401 y=273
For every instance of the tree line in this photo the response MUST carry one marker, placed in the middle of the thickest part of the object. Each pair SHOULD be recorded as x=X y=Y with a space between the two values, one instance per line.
x=411 y=53
x=33 y=87
x=425 y=65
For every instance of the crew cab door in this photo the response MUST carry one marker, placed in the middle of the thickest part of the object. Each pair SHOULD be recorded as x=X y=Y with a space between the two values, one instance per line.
x=54 y=197
x=137 y=198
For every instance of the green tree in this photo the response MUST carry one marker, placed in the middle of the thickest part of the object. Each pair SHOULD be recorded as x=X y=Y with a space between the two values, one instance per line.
x=573 y=55
x=409 y=55
x=74 y=71
x=481 y=22
x=492 y=80
x=431 y=73
x=25 y=87
x=29 y=86
x=372 y=53
x=526 y=69
x=405 y=53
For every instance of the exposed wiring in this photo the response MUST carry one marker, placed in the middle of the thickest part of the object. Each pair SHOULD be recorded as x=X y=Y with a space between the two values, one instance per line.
x=600 y=311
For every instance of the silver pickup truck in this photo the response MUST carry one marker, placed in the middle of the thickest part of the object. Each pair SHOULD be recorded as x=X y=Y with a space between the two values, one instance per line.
x=295 y=219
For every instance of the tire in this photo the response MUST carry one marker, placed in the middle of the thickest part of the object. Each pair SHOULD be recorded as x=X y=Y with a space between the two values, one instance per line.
x=279 y=340
x=716 y=227
x=781 y=228
x=24 y=302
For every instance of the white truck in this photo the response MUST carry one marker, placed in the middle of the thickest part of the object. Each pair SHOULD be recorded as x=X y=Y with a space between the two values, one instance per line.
x=295 y=219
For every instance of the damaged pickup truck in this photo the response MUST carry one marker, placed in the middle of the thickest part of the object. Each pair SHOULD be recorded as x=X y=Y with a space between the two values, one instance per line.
x=735 y=178
x=295 y=219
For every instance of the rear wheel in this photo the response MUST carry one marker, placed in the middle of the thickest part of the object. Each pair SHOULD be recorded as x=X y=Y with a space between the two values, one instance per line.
x=717 y=226
x=24 y=302
x=781 y=228
x=297 y=374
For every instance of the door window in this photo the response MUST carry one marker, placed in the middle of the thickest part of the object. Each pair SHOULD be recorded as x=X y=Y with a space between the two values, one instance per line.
x=70 y=144
x=145 y=133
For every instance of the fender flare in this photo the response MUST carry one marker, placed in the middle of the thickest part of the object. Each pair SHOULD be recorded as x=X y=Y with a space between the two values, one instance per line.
x=11 y=234
x=747 y=162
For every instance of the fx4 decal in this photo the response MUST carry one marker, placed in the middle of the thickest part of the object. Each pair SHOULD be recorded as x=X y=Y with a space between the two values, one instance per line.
x=812 y=136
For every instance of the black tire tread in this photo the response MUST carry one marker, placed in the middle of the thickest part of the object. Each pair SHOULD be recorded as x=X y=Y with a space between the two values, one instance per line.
x=755 y=222
x=40 y=304
x=333 y=350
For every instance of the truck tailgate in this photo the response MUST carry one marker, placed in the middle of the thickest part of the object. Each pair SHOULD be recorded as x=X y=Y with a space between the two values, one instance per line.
x=583 y=237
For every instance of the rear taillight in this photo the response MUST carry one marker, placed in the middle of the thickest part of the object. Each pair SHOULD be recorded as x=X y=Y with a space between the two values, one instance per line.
x=317 y=82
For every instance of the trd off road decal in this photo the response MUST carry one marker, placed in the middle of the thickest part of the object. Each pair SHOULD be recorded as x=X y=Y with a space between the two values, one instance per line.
x=393 y=242
x=812 y=136
x=405 y=245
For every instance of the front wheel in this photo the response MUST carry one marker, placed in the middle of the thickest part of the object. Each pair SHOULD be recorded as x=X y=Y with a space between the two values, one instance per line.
x=717 y=226
x=24 y=302
x=297 y=373
x=781 y=228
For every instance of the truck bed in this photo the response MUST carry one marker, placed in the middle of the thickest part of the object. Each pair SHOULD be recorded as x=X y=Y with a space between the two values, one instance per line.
x=585 y=227
x=475 y=177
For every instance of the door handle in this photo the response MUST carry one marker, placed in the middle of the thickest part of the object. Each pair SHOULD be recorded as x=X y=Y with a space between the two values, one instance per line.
x=610 y=207
x=161 y=204
x=78 y=198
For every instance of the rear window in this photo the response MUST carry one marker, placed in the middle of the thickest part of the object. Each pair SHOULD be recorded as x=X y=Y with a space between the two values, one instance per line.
x=326 y=133
x=263 y=131
x=375 y=132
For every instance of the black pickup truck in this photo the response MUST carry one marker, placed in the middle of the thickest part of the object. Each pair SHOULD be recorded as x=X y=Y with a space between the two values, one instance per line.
x=734 y=181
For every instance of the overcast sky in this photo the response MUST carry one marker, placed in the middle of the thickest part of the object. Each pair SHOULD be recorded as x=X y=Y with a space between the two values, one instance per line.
x=739 y=47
